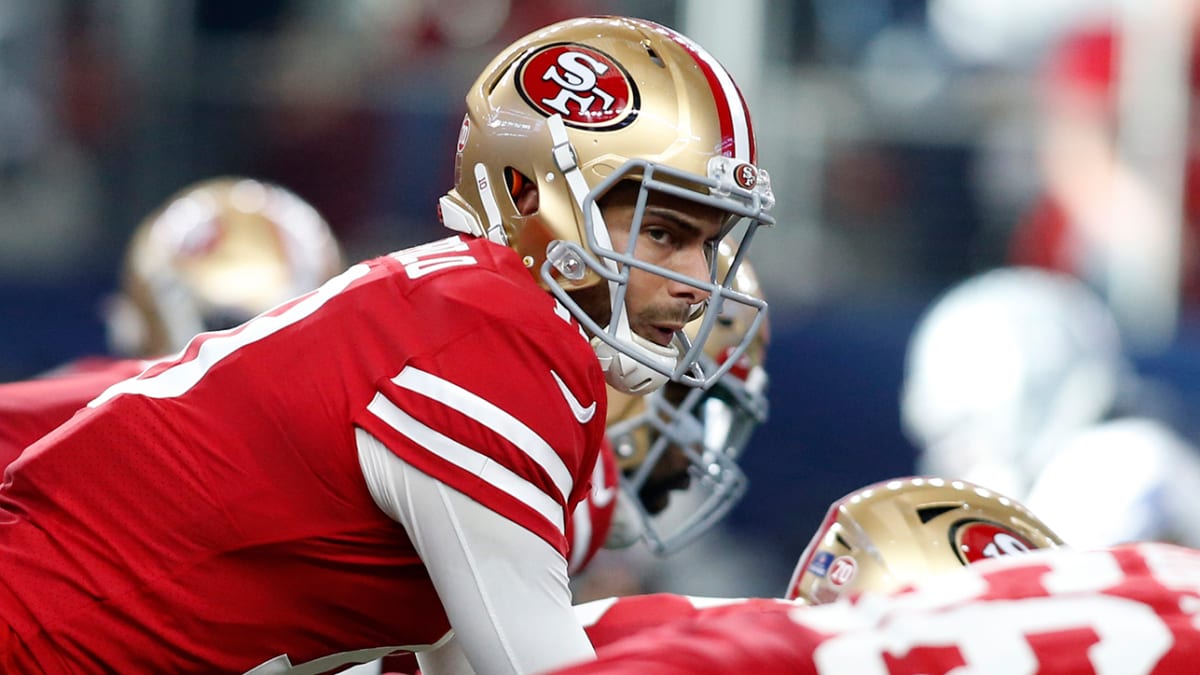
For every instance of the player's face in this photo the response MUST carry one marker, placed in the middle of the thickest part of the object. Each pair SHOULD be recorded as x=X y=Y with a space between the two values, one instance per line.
x=675 y=234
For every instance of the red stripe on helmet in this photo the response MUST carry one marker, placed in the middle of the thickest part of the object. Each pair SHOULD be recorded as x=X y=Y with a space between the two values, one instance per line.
x=726 y=95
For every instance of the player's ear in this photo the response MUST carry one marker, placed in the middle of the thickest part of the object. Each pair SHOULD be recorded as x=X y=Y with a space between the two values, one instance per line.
x=524 y=193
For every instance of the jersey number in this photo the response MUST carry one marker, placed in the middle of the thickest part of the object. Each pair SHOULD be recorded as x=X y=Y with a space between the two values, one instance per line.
x=207 y=349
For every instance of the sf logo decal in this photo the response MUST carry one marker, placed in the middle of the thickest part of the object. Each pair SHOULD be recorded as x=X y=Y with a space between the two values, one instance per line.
x=585 y=86
x=976 y=540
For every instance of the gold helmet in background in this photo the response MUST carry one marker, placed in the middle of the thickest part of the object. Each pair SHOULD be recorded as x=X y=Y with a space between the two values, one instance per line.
x=907 y=530
x=214 y=255
x=577 y=107
x=689 y=439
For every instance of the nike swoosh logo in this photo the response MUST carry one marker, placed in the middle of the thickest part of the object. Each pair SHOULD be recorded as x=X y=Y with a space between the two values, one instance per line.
x=582 y=414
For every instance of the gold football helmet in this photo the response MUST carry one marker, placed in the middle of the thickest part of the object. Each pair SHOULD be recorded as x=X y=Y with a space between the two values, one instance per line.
x=683 y=437
x=906 y=530
x=214 y=255
x=577 y=107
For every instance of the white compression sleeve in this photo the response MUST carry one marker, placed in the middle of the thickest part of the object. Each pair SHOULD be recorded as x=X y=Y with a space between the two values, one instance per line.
x=503 y=587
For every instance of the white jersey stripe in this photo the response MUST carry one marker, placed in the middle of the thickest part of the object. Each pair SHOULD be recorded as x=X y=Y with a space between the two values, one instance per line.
x=737 y=108
x=214 y=347
x=510 y=428
x=467 y=459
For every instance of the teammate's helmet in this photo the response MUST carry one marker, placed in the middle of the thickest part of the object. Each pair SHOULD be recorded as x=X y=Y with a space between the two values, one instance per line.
x=1002 y=368
x=710 y=428
x=577 y=107
x=906 y=530
x=214 y=255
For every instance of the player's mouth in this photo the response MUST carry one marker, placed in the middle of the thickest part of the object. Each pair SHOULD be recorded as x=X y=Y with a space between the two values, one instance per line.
x=664 y=333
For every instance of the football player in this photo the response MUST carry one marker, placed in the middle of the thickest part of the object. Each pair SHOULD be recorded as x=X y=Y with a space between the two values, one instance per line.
x=907 y=530
x=1017 y=379
x=878 y=538
x=215 y=254
x=1128 y=609
x=395 y=455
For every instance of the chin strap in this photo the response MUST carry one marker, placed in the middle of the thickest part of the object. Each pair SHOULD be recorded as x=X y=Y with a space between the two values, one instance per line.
x=625 y=373
x=568 y=163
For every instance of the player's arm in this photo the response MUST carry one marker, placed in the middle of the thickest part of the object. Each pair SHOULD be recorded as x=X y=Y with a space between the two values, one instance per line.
x=503 y=587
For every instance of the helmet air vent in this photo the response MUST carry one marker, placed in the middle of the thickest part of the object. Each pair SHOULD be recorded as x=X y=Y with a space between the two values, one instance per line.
x=654 y=57
x=928 y=513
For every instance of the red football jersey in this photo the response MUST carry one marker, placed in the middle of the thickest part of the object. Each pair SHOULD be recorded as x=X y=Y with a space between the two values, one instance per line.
x=211 y=514
x=1131 y=610
x=611 y=619
x=31 y=408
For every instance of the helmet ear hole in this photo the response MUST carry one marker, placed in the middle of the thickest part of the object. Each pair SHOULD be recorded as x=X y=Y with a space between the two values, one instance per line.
x=522 y=190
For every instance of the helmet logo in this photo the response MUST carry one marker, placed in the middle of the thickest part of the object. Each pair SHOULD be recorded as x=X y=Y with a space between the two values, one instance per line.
x=741 y=367
x=746 y=176
x=976 y=540
x=586 y=87
x=820 y=563
x=842 y=570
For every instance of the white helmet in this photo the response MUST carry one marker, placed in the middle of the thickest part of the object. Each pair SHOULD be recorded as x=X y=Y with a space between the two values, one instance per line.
x=1001 y=368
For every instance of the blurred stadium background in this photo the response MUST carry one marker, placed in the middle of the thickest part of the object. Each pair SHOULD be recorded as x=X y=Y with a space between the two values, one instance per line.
x=901 y=136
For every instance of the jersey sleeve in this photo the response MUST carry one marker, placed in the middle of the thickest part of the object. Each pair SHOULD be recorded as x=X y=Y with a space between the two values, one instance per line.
x=501 y=399
x=503 y=588
x=745 y=636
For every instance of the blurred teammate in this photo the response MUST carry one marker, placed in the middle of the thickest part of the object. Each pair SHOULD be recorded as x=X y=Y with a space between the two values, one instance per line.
x=395 y=455
x=688 y=440
x=879 y=538
x=215 y=254
x=1129 y=609
x=1018 y=375
x=909 y=530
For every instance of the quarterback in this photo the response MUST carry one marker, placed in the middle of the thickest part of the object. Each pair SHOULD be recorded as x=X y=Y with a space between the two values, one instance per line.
x=390 y=459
